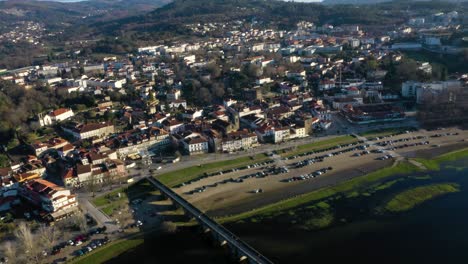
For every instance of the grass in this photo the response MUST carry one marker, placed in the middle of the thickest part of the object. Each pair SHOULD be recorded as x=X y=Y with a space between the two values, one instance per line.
x=384 y=132
x=434 y=164
x=110 y=251
x=386 y=185
x=321 y=144
x=176 y=177
x=111 y=201
x=345 y=187
x=320 y=221
x=411 y=198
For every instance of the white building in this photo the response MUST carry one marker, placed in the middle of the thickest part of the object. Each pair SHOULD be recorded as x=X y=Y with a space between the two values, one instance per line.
x=84 y=131
x=55 y=116
x=239 y=140
x=196 y=145
x=55 y=200
x=412 y=89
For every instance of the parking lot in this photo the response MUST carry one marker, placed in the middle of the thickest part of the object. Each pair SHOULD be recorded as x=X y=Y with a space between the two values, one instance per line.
x=307 y=171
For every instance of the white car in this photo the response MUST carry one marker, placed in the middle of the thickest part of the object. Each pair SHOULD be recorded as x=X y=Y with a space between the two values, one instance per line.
x=159 y=168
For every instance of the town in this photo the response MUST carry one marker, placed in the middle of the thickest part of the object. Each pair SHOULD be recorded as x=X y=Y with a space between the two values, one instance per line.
x=240 y=89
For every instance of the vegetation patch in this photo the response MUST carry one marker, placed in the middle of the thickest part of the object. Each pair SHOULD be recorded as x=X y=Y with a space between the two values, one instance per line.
x=411 y=198
x=321 y=220
x=321 y=145
x=434 y=164
x=385 y=132
x=113 y=200
x=176 y=177
x=109 y=252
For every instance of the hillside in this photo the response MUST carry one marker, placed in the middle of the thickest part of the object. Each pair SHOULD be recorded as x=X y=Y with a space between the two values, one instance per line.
x=54 y=13
x=279 y=13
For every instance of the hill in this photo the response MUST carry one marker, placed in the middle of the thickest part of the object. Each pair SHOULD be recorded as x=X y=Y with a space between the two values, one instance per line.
x=279 y=13
x=53 y=13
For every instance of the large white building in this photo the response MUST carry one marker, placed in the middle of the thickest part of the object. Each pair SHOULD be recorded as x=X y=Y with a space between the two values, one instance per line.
x=105 y=83
x=417 y=90
x=239 y=140
x=53 y=199
x=84 y=131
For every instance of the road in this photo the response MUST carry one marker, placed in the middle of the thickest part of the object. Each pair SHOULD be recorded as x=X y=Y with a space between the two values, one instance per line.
x=100 y=217
x=393 y=153
x=226 y=235
x=340 y=127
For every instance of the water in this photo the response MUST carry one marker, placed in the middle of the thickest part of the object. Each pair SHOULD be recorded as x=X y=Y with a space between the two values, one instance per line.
x=435 y=232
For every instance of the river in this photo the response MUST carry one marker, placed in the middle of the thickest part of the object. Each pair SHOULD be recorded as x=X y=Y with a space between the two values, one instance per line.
x=434 y=232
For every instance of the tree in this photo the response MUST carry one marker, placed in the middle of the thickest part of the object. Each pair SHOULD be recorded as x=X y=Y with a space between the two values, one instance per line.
x=218 y=90
x=124 y=215
x=204 y=95
x=48 y=235
x=9 y=251
x=27 y=242
x=92 y=185
x=79 y=221
x=168 y=227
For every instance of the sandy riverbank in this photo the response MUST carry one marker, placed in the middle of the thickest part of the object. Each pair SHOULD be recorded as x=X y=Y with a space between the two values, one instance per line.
x=232 y=198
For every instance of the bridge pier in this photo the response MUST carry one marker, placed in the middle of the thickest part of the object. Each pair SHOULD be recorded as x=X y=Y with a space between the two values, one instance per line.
x=240 y=251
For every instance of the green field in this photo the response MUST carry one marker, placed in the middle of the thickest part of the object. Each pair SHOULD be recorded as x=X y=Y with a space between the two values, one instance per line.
x=111 y=201
x=320 y=145
x=434 y=164
x=109 y=252
x=411 y=198
x=177 y=177
x=345 y=187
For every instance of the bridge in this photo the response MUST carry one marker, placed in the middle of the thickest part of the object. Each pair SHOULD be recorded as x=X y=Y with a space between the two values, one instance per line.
x=240 y=249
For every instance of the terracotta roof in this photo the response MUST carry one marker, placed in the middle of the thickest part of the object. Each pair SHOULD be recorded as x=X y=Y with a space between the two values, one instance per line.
x=59 y=111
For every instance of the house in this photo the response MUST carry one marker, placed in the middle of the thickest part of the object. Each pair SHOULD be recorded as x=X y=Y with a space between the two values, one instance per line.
x=105 y=83
x=83 y=172
x=297 y=132
x=58 y=202
x=177 y=104
x=173 y=126
x=173 y=95
x=326 y=85
x=55 y=116
x=286 y=88
x=192 y=114
x=196 y=145
x=96 y=158
x=339 y=103
x=70 y=179
x=56 y=143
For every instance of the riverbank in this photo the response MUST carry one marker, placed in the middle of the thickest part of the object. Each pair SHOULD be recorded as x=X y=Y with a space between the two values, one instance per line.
x=348 y=188
x=430 y=229
x=219 y=200
x=345 y=187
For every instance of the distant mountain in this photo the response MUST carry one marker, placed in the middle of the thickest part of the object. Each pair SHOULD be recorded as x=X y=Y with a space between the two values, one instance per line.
x=69 y=11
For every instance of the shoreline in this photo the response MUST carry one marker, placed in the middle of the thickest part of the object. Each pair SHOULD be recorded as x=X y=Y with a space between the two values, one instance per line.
x=235 y=212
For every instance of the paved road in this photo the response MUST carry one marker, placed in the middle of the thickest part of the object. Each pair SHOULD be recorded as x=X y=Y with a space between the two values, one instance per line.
x=246 y=250
x=397 y=156
x=100 y=217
